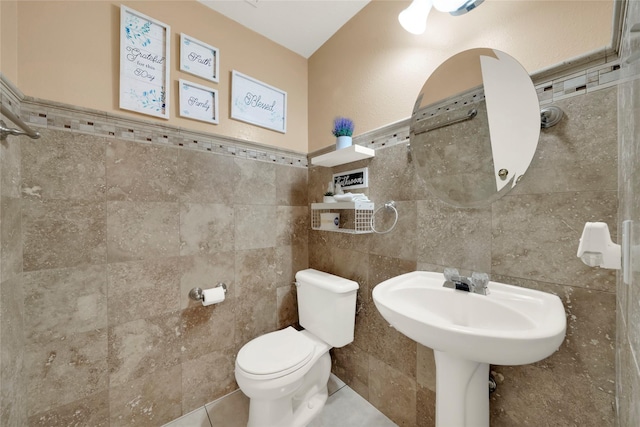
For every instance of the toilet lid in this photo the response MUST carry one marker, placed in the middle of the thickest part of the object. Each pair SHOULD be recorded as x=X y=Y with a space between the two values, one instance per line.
x=281 y=351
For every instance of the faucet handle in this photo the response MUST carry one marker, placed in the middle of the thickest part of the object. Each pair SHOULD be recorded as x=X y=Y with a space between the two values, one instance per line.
x=480 y=280
x=451 y=274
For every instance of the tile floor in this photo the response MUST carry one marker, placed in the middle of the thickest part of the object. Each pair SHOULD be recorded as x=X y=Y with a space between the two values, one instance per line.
x=344 y=408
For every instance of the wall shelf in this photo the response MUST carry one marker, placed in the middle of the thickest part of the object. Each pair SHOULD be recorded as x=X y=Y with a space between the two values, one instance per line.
x=355 y=217
x=350 y=154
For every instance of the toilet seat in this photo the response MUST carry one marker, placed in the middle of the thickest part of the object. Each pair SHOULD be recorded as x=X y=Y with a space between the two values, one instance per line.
x=275 y=354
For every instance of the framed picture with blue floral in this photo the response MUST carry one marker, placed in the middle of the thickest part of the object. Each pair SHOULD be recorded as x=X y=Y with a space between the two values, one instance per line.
x=198 y=102
x=144 y=58
x=199 y=58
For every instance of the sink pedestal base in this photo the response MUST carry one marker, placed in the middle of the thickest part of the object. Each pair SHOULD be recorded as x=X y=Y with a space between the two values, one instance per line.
x=462 y=392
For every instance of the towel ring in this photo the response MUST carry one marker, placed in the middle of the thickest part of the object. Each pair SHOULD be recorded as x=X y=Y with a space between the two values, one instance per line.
x=389 y=205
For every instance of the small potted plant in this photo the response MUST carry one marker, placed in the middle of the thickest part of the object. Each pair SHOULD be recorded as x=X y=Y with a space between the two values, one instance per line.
x=343 y=131
x=328 y=197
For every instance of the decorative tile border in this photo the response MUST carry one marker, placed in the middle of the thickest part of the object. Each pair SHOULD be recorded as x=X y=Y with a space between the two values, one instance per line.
x=51 y=115
x=57 y=116
x=578 y=83
x=468 y=98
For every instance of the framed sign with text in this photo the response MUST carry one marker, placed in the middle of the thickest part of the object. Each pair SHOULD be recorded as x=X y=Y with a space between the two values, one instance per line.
x=258 y=103
x=350 y=180
x=199 y=58
x=198 y=102
x=144 y=59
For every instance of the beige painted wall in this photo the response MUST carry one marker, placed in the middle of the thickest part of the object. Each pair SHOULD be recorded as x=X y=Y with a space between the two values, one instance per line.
x=64 y=48
x=68 y=51
x=372 y=70
x=8 y=40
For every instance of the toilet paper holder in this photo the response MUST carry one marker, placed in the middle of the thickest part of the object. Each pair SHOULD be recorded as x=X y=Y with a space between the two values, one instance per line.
x=197 y=295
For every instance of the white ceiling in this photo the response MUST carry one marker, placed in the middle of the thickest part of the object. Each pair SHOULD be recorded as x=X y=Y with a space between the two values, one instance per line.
x=299 y=25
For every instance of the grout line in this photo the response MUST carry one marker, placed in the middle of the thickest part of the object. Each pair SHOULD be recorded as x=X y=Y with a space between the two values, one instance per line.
x=208 y=416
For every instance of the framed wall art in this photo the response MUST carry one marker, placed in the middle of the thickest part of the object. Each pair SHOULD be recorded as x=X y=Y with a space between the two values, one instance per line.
x=198 y=102
x=199 y=58
x=258 y=103
x=351 y=180
x=144 y=59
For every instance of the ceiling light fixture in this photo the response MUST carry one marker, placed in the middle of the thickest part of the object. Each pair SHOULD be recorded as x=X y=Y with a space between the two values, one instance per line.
x=414 y=18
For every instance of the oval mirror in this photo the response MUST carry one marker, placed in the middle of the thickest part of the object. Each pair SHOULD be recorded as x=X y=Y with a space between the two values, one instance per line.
x=475 y=127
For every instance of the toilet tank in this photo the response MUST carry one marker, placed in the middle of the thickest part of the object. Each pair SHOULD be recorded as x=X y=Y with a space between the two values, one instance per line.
x=327 y=306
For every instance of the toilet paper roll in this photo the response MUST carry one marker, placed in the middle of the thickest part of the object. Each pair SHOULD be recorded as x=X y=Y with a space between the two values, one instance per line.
x=329 y=220
x=213 y=295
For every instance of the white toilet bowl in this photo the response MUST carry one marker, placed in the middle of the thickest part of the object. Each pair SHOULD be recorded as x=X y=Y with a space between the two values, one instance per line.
x=285 y=374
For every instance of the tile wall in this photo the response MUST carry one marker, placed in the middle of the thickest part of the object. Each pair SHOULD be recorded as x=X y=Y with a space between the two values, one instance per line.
x=102 y=239
x=528 y=238
x=628 y=294
x=13 y=391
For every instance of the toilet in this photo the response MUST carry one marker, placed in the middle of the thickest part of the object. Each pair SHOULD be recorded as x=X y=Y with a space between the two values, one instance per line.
x=285 y=373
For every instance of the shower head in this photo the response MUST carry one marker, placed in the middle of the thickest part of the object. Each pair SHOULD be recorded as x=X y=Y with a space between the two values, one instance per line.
x=550 y=116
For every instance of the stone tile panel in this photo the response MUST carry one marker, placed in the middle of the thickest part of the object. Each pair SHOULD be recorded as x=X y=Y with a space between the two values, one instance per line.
x=206 y=329
x=91 y=411
x=255 y=226
x=207 y=378
x=256 y=283
x=290 y=260
x=426 y=407
x=62 y=302
x=11 y=167
x=141 y=172
x=63 y=165
x=426 y=368
x=63 y=233
x=293 y=225
x=11 y=241
x=351 y=364
x=152 y=400
x=13 y=393
x=142 y=230
x=256 y=314
x=580 y=153
x=207 y=178
x=63 y=371
x=453 y=237
x=206 y=228
x=393 y=393
x=392 y=175
x=583 y=366
x=556 y=220
x=143 y=347
x=291 y=186
x=257 y=183
x=287 y=306
x=142 y=289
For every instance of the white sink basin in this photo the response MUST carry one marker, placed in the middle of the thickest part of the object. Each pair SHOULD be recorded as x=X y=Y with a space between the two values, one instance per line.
x=467 y=331
x=510 y=326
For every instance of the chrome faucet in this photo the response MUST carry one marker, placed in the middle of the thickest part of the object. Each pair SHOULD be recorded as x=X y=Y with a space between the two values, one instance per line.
x=477 y=283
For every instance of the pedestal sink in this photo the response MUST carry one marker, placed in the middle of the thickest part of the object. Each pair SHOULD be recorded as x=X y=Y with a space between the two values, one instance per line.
x=468 y=331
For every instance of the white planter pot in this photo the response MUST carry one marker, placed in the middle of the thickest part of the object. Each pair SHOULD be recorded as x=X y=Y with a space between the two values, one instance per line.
x=343 y=142
x=328 y=199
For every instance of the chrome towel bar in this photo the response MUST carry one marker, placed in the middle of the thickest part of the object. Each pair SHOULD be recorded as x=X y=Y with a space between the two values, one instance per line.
x=5 y=131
